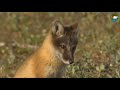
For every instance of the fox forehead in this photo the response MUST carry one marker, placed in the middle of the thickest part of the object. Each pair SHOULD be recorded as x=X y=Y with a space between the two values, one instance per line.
x=66 y=39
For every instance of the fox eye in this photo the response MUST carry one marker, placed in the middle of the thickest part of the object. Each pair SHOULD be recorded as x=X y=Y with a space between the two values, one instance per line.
x=74 y=48
x=62 y=46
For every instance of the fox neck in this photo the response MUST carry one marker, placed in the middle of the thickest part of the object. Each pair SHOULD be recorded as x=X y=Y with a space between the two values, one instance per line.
x=54 y=67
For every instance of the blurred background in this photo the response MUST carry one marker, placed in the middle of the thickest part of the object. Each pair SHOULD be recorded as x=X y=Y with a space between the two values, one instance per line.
x=97 y=54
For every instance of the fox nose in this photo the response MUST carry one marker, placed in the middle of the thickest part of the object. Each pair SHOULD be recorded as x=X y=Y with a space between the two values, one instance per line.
x=71 y=62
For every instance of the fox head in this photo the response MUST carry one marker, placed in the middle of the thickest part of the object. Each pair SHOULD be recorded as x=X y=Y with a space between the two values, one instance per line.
x=65 y=39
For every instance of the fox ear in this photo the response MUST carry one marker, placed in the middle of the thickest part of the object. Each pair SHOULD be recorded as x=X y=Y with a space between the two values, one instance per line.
x=75 y=28
x=57 y=28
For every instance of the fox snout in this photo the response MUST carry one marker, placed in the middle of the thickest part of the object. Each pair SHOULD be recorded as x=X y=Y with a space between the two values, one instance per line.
x=69 y=58
x=71 y=61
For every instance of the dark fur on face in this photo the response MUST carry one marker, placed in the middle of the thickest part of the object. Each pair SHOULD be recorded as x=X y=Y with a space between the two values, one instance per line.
x=65 y=39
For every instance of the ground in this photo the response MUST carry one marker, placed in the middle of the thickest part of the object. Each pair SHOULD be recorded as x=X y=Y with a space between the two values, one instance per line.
x=97 y=54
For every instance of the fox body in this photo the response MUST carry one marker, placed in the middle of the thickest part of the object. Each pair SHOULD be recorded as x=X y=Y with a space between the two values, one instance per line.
x=56 y=52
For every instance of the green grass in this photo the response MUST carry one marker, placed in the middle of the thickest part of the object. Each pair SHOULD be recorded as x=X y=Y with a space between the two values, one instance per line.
x=97 y=54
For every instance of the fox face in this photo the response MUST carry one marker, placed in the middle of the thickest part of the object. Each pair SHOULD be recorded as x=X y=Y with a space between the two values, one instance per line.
x=65 y=39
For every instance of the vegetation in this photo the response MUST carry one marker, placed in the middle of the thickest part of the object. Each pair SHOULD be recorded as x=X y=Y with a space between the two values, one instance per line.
x=97 y=54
